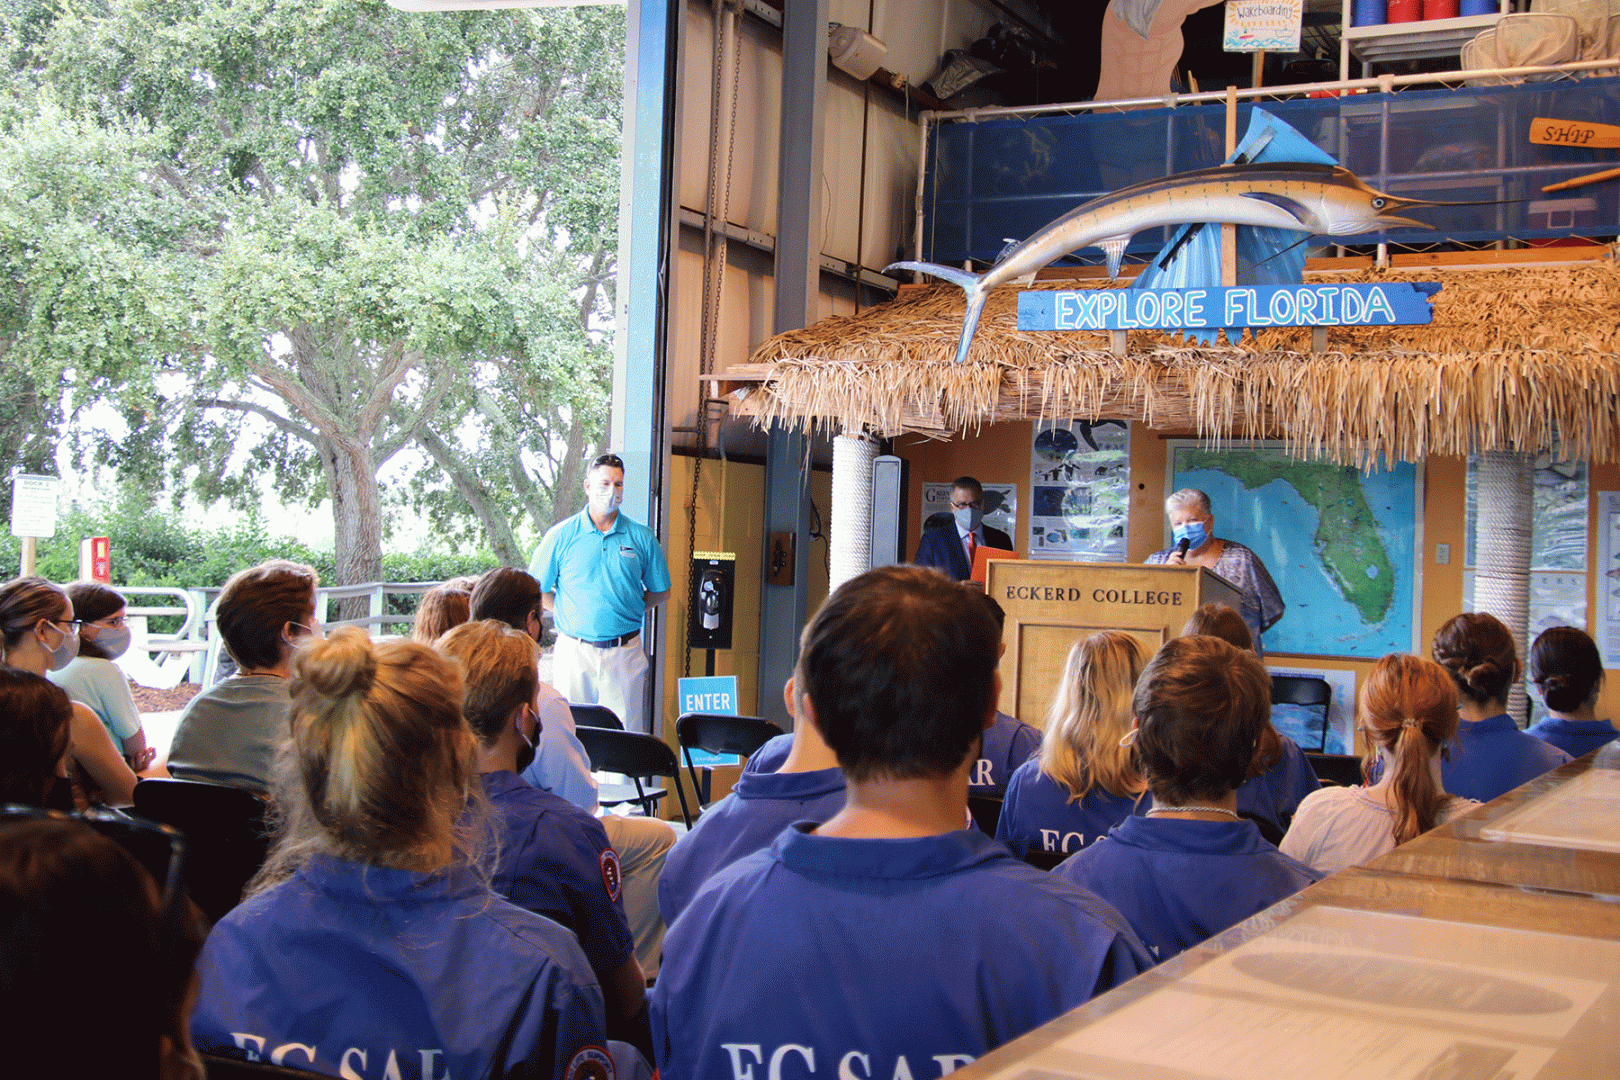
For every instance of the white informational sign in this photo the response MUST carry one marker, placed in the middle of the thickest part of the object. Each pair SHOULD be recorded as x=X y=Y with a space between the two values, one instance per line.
x=1607 y=623
x=33 y=505
x=1080 y=488
x=1335 y=992
x=1000 y=504
x=1583 y=814
x=1263 y=25
x=1300 y=722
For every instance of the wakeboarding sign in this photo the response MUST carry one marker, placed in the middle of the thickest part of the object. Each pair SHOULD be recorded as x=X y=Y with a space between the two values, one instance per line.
x=1254 y=306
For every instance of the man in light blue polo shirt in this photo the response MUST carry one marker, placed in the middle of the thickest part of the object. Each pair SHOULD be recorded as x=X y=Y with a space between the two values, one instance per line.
x=599 y=574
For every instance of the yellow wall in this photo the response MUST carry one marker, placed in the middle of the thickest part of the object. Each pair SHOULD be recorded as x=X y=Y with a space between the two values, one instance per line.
x=741 y=533
x=1000 y=455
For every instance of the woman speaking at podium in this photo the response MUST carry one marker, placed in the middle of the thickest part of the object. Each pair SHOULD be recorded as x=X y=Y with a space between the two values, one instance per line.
x=1194 y=543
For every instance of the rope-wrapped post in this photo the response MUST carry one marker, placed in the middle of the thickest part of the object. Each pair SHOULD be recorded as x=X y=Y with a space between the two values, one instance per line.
x=1502 y=540
x=850 y=553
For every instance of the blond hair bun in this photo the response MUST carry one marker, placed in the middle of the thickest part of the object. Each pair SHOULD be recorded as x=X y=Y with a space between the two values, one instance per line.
x=342 y=666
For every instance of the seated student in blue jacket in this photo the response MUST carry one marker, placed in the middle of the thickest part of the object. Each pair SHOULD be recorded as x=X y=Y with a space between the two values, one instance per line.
x=1084 y=782
x=808 y=786
x=1192 y=866
x=1490 y=756
x=891 y=939
x=1008 y=742
x=554 y=859
x=371 y=944
x=1568 y=670
x=1281 y=775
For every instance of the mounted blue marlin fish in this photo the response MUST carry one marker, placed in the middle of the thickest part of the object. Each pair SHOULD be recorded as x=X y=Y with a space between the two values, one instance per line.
x=1192 y=255
x=1322 y=200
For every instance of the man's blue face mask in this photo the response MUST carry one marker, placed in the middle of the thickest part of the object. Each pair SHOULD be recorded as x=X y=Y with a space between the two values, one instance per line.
x=1193 y=532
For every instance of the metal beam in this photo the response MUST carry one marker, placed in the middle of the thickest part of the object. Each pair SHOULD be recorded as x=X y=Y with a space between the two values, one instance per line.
x=798 y=274
x=639 y=424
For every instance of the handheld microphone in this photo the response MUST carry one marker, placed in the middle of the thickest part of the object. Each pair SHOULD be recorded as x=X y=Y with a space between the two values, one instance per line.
x=1181 y=548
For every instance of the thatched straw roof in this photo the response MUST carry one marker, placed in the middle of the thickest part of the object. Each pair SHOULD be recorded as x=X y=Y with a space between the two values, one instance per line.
x=1516 y=359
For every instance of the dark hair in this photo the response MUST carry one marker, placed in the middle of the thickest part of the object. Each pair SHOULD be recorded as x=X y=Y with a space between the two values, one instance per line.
x=606 y=461
x=443 y=607
x=508 y=594
x=1409 y=707
x=996 y=611
x=1218 y=620
x=1200 y=706
x=34 y=718
x=1478 y=653
x=1221 y=621
x=498 y=673
x=23 y=602
x=256 y=604
x=91 y=601
x=75 y=907
x=899 y=665
x=1566 y=667
x=968 y=483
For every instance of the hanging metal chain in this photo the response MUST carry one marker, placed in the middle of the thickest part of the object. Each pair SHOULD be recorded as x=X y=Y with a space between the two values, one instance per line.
x=715 y=243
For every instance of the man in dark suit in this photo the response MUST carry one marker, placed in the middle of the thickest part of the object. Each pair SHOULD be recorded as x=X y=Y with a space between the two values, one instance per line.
x=949 y=549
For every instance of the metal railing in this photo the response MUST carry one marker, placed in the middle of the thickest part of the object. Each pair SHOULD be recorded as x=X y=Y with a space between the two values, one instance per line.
x=198 y=637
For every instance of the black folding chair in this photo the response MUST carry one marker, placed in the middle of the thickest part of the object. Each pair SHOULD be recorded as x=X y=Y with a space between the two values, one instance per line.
x=637 y=756
x=1045 y=860
x=224 y=827
x=1341 y=769
x=597 y=716
x=986 y=811
x=1307 y=690
x=228 y=1068
x=719 y=734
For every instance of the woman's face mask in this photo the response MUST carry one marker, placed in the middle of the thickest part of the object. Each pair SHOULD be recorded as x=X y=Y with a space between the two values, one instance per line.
x=111 y=640
x=527 y=751
x=66 y=649
x=1194 y=532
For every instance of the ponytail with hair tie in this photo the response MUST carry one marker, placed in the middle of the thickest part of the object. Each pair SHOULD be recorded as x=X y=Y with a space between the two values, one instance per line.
x=1408 y=707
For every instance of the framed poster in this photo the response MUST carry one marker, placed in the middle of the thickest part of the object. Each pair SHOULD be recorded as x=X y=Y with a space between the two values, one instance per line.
x=1080 y=486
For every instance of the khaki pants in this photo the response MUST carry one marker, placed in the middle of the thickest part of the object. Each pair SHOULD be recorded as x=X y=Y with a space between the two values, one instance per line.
x=616 y=677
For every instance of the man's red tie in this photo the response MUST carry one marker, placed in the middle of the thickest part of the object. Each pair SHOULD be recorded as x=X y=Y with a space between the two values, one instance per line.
x=973 y=545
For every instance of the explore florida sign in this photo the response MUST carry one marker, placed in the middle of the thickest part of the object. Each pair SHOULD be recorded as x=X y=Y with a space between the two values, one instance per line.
x=1349 y=304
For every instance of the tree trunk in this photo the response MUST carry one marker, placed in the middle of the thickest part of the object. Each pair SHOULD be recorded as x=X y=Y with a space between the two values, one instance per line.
x=357 y=517
x=496 y=527
x=568 y=493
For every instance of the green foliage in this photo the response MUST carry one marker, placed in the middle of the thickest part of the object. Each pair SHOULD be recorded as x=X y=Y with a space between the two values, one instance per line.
x=154 y=548
x=294 y=239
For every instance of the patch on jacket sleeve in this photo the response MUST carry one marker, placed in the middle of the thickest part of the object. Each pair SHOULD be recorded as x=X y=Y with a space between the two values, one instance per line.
x=612 y=876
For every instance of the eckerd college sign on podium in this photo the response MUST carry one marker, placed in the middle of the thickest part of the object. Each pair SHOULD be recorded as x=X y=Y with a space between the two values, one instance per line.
x=1254 y=306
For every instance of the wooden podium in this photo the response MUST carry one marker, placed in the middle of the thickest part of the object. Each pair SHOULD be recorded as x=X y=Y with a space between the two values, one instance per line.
x=1052 y=605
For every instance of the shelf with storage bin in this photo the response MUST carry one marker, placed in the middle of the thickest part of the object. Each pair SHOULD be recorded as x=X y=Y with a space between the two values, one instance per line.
x=1419 y=40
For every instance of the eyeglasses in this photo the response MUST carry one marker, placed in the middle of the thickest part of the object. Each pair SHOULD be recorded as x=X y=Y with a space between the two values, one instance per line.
x=73 y=625
x=977 y=504
x=608 y=461
x=111 y=622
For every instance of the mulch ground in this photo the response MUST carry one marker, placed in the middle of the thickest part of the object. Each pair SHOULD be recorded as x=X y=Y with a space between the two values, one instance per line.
x=149 y=700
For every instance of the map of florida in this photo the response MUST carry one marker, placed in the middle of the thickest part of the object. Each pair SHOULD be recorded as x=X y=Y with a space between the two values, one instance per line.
x=1346 y=540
